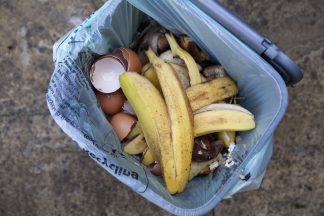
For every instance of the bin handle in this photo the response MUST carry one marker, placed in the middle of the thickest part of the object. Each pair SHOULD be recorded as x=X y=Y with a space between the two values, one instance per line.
x=288 y=70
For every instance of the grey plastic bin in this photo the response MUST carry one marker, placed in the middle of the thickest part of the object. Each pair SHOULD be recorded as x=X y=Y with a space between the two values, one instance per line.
x=74 y=107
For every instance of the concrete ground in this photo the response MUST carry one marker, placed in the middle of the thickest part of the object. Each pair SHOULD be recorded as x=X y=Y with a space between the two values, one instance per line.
x=43 y=172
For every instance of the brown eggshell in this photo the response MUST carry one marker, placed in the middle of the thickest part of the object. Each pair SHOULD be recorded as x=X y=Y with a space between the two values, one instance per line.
x=129 y=59
x=156 y=169
x=111 y=103
x=122 y=124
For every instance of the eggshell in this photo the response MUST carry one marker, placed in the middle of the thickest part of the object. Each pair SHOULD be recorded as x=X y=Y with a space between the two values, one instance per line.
x=129 y=59
x=104 y=74
x=111 y=103
x=122 y=124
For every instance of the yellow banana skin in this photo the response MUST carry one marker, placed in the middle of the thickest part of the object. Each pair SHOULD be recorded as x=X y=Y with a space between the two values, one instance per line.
x=147 y=158
x=227 y=137
x=198 y=167
x=181 y=118
x=184 y=72
x=145 y=68
x=209 y=92
x=136 y=146
x=190 y=62
x=204 y=93
x=222 y=117
x=151 y=75
x=181 y=72
x=136 y=130
x=152 y=114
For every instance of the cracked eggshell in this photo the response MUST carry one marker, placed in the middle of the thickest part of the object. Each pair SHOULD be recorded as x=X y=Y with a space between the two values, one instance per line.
x=128 y=58
x=104 y=74
x=122 y=124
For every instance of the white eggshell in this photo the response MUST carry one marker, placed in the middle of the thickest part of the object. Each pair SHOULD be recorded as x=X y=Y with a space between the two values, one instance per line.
x=105 y=74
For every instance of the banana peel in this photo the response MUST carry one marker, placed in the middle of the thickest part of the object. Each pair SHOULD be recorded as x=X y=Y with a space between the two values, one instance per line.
x=188 y=59
x=227 y=137
x=181 y=72
x=201 y=167
x=152 y=113
x=147 y=157
x=202 y=94
x=212 y=91
x=150 y=74
x=196 y=168
x=135 y=131
x=181 y=119
x=222 y=117
x=136 y=146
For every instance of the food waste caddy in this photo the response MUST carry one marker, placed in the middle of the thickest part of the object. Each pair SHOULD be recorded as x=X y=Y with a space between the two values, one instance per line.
x=261 y=70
